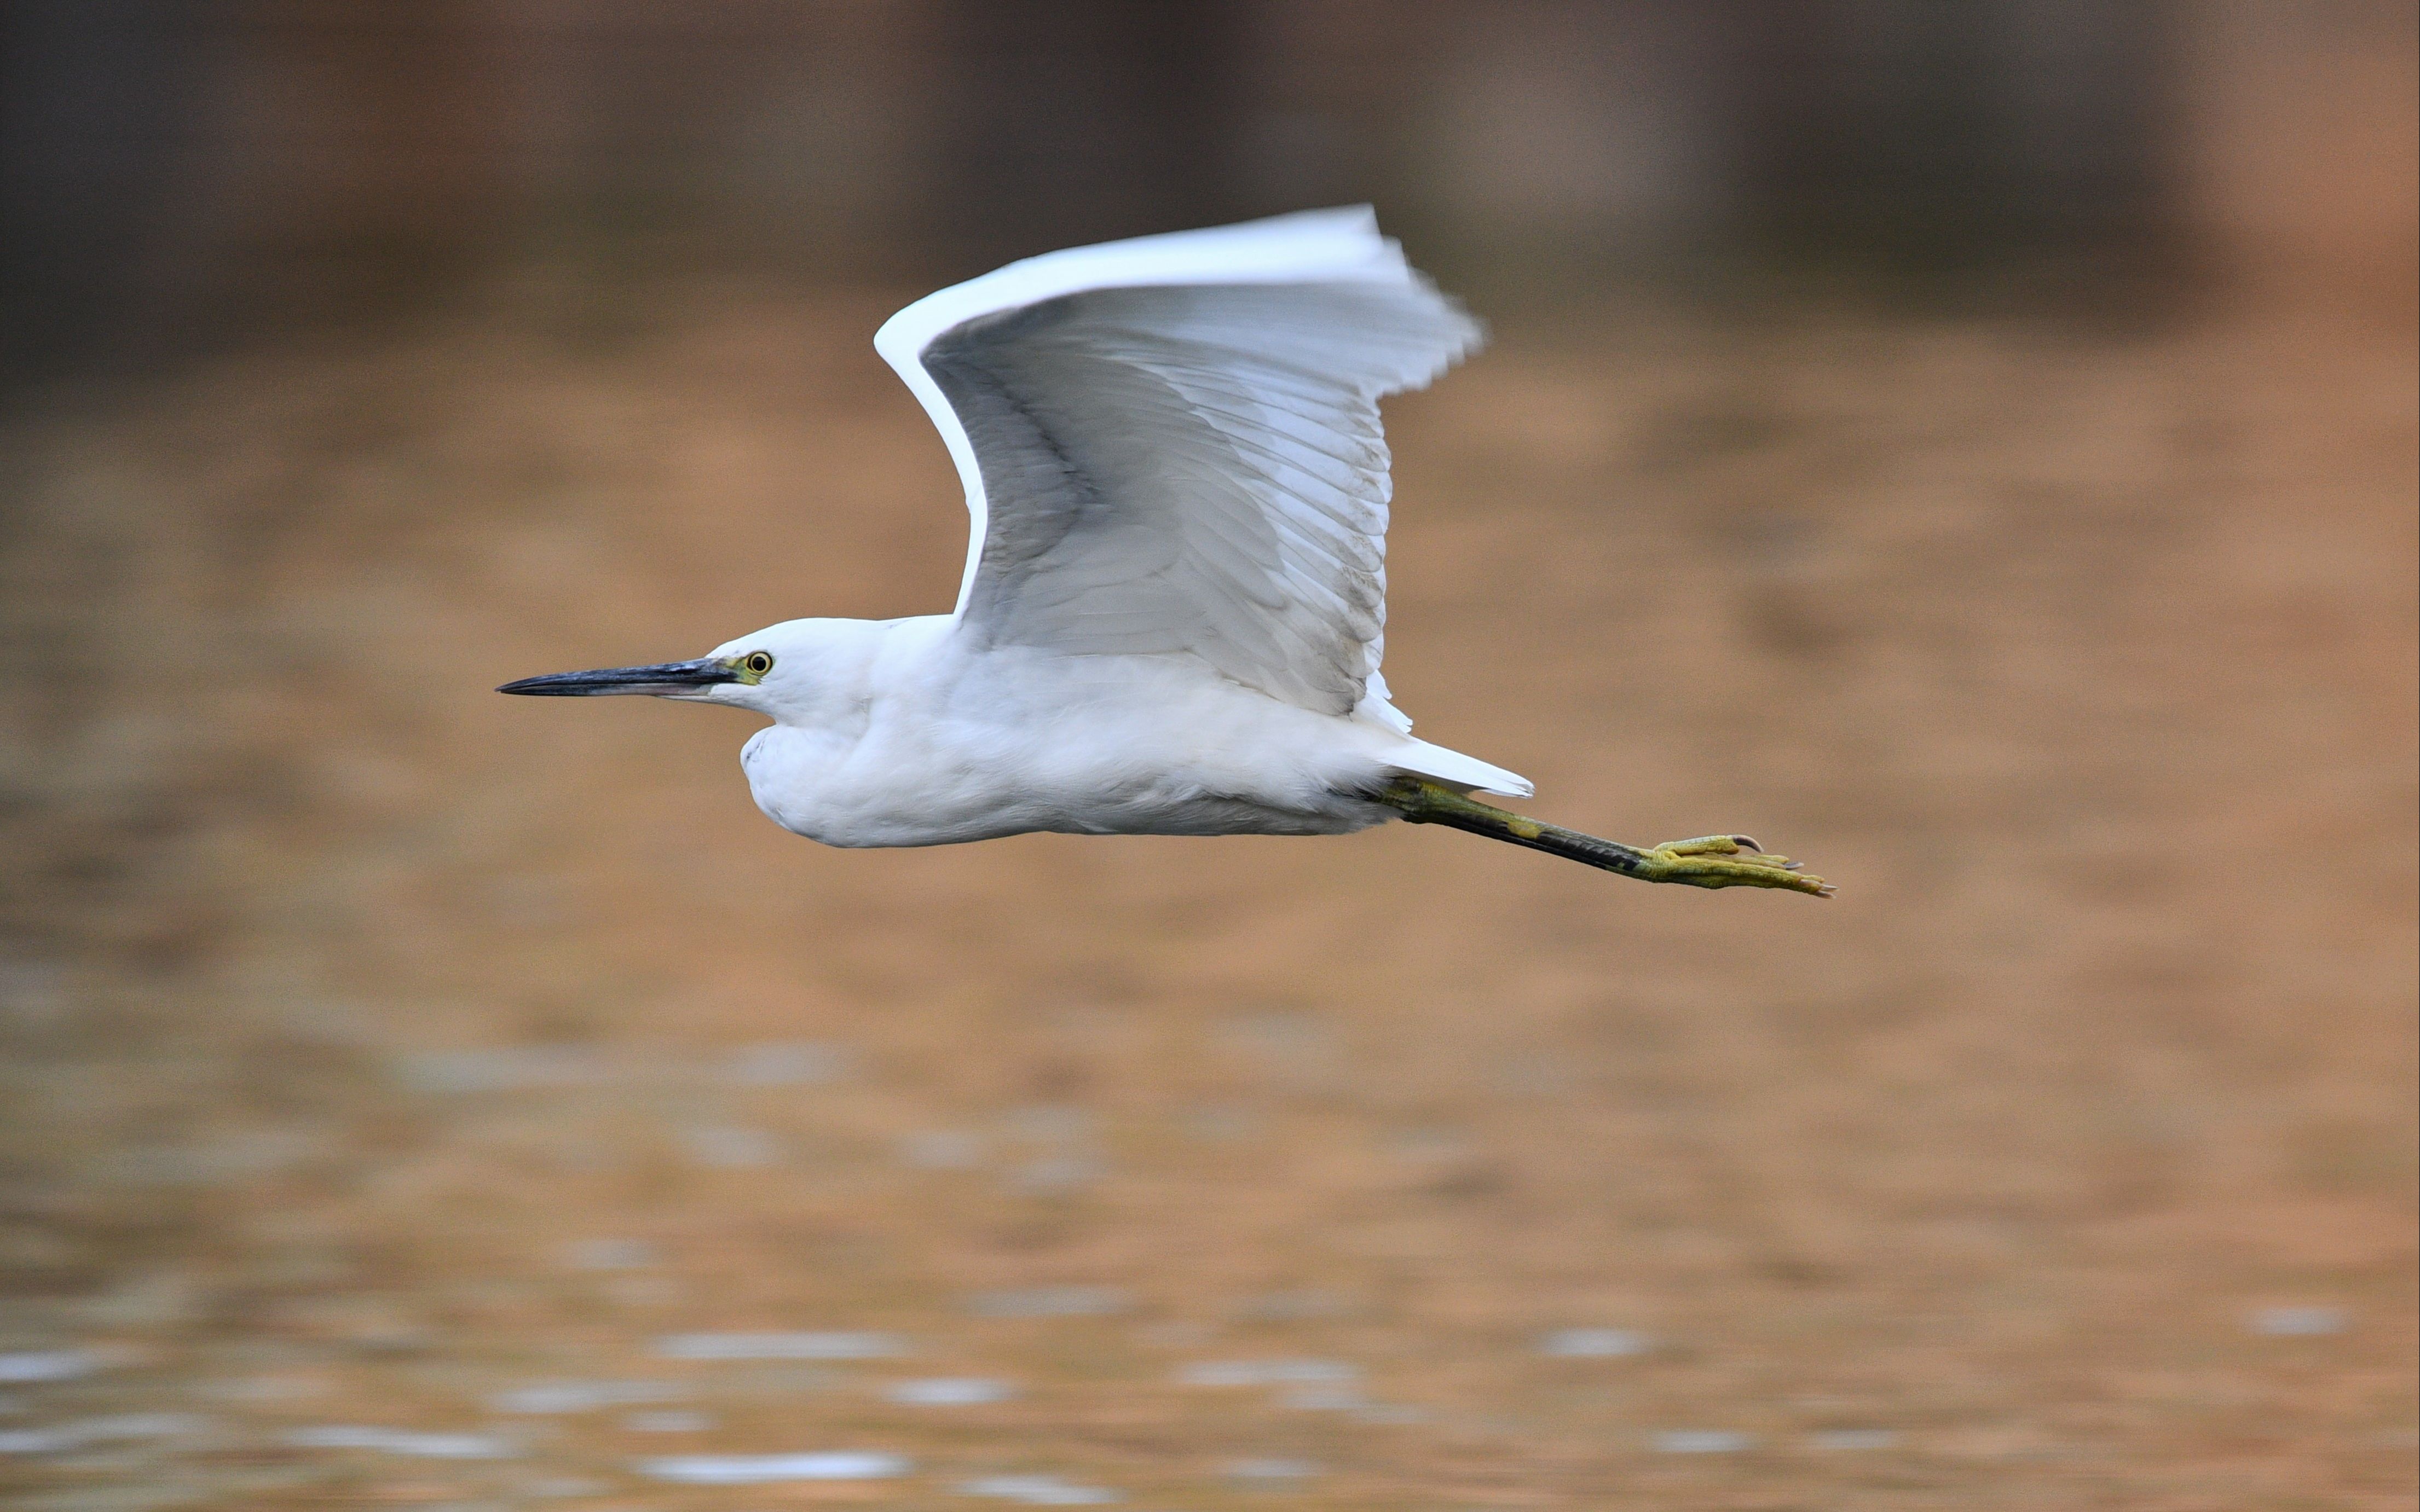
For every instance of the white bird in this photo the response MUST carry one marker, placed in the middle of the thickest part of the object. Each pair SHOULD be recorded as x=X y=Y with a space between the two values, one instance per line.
x=1174 y=599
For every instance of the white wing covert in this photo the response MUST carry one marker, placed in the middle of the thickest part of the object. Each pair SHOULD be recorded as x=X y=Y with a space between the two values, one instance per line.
x=1172 y=445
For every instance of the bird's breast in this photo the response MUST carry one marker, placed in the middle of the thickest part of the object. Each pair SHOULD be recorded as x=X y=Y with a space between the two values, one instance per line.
x=863 y=791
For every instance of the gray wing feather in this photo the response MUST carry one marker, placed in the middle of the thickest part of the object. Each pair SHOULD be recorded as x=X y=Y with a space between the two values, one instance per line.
x=1195 y=469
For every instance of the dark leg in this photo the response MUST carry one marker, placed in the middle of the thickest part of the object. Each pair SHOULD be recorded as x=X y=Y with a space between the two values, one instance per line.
x=1710 y=861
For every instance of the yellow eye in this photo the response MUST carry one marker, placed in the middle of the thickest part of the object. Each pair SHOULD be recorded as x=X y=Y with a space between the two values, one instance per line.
x=757 y=662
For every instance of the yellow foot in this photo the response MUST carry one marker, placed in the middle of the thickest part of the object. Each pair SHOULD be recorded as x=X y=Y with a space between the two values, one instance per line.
x=1708 y=862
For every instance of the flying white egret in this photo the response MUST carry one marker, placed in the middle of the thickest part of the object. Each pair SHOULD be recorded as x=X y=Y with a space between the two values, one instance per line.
x=1172 y=609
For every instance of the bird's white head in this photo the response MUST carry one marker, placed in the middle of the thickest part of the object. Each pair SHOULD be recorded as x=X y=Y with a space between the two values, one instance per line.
x=784 y=671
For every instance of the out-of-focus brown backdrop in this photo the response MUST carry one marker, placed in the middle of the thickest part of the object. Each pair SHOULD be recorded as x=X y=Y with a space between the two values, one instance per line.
x=1970 y=446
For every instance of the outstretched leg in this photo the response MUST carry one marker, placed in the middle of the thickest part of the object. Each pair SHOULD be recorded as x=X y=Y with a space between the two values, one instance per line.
x=1710 y=861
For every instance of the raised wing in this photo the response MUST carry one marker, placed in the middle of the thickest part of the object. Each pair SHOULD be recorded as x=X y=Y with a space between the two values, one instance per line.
x=1172 y=445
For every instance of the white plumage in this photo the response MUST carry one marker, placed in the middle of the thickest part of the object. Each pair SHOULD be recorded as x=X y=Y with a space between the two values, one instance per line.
x=1174 y=599
x=1172 y=443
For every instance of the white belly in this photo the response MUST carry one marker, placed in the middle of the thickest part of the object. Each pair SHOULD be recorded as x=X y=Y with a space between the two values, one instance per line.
x=1009 y=742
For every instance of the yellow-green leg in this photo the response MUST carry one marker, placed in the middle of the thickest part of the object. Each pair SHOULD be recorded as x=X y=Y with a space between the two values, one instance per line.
x=1708 y=861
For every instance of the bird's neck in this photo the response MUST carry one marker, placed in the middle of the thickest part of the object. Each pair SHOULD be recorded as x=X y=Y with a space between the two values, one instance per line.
x=837 y=668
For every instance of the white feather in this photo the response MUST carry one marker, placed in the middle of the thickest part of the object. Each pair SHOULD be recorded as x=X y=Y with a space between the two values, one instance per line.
x=1171 y=445
x=1173 y=606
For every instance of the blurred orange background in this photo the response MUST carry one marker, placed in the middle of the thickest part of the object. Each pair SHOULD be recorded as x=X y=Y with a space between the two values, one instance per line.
x=1971 y=448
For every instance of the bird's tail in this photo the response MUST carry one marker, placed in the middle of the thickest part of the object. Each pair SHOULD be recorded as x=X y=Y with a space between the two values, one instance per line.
x=1418 y=758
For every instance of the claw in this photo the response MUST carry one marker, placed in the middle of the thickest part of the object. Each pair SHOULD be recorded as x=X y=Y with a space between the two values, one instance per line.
x=1707 y=862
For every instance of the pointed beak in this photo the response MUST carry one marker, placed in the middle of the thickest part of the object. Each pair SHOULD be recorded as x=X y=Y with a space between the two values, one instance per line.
x=668 y=679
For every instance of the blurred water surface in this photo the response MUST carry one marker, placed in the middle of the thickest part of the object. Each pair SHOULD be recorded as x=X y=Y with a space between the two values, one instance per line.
x=1971 y=448
x=401 y=1081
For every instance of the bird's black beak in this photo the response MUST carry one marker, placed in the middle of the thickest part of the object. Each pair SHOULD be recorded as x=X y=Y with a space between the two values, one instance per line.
x=664 y=679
